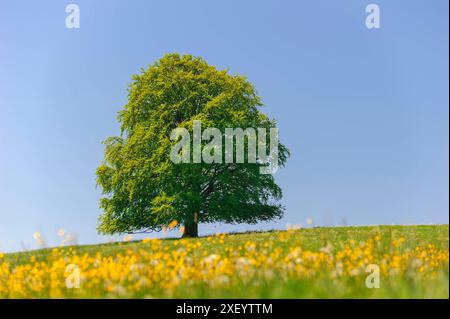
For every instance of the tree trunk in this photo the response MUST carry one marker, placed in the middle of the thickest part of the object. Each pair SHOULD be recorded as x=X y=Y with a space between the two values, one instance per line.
x=191 y=227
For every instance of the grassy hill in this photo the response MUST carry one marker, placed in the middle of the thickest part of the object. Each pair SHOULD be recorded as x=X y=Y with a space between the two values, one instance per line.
x=413 y=262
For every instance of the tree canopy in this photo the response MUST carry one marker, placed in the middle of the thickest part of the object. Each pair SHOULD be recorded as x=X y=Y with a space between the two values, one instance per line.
x=144 y=190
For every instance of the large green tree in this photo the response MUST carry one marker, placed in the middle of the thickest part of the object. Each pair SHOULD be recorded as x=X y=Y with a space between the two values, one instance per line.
x=146 y=191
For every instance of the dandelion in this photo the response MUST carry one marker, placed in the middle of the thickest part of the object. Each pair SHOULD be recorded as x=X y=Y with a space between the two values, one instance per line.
x=128 y=238
x=69 y=239
x=173 y=224
x=61 y=232
x=163 y=268
x=210 y=259
x=290 y=227
x=39 y=240
x=309 y=221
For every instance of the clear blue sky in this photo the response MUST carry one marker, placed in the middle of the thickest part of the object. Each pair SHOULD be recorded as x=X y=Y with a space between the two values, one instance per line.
x=364 y=112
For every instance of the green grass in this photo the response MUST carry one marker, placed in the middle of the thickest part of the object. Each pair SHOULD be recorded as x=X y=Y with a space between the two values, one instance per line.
x=321 y=285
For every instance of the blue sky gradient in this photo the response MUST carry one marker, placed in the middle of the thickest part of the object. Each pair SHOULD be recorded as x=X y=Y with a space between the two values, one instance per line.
x=364 y=112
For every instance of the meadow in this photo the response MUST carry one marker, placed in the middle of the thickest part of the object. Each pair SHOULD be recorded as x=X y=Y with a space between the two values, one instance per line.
x=413 y=262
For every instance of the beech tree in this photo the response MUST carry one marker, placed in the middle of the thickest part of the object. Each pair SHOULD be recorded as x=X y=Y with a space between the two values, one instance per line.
x=145 y=190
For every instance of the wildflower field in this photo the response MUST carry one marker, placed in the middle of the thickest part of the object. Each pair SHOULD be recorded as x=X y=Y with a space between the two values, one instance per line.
x=413 y=262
